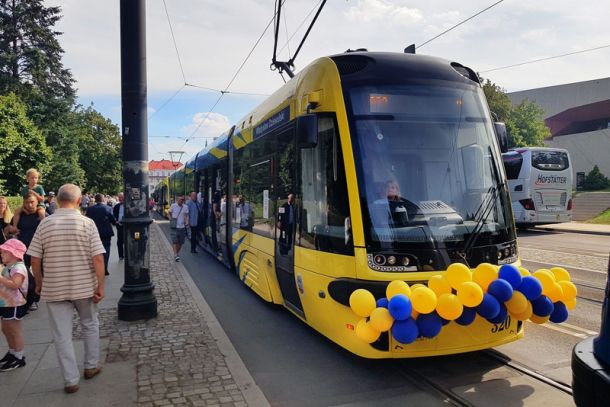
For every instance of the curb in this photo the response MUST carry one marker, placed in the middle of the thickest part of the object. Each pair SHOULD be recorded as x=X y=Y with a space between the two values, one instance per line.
x=567 y=230
x=250 y=390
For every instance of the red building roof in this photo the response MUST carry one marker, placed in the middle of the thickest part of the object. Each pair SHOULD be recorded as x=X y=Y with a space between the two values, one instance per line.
x=163 y=165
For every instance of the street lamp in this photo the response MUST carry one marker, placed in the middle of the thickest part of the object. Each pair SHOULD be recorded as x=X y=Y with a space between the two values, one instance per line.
x=173 y=154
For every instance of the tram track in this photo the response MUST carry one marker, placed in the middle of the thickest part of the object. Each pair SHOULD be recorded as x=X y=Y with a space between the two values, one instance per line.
x=473 y=379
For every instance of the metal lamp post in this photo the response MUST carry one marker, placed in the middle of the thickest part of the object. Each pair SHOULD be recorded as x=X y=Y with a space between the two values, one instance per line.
x=138 y=301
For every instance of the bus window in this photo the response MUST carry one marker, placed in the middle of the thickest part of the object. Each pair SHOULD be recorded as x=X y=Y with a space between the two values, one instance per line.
x=325 y=222
x=512 y=163
x=550 y=160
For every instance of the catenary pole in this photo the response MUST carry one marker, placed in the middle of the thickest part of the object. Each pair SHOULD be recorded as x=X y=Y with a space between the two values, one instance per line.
x=138 y=300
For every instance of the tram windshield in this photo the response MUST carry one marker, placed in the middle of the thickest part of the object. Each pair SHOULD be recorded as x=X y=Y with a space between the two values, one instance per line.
x=428 y=166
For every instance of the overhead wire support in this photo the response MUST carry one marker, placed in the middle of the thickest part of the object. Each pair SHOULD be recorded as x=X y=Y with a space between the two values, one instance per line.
x=288 y=66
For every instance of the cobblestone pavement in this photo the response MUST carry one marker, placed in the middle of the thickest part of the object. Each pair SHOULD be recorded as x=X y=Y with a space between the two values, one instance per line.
x=178 y=360
x=596 y=263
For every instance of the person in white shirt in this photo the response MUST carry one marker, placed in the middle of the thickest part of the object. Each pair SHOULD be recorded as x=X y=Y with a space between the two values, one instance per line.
x=180 y=212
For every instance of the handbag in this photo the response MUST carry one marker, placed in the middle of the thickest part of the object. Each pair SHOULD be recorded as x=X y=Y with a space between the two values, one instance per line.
x=173 y=222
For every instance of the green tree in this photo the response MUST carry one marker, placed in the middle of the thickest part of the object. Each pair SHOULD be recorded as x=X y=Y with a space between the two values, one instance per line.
x=524 y=121
x=99 y=143
x=65 y=166
x=595 y=180
x=498 y=101
x=23 y=145
x=30 y=54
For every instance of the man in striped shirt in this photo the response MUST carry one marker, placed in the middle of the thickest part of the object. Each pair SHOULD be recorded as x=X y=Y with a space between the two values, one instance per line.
x=69 y=245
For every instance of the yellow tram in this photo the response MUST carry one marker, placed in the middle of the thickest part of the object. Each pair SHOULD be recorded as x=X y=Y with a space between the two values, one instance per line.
x=363 y=169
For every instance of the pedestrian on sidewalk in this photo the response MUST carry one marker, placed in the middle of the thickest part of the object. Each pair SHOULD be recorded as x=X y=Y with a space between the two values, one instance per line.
x=104 y=219
x=73 y=255
x=13 y=286
x=194 y=212
x=118 y=211
x=179 y=221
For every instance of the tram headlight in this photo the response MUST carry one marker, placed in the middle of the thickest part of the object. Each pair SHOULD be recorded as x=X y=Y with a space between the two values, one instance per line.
x=379 y=259
x=391 y=260
x=406 y=261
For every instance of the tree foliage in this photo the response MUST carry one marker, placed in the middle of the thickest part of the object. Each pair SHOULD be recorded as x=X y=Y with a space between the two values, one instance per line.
x=524 y=121
x=595 y=180
x=39 y=109
x=23 y=146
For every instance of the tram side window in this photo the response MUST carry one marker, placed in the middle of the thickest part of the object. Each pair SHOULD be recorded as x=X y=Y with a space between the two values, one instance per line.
x=326 y=225
x=253 y=169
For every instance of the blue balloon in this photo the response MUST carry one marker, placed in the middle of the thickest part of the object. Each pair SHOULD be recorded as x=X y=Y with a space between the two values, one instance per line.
x=429 y=325
x=467 y=316
x=382 y=303
x=530 y=287
x=501 y=317
x=405 y=331
x=400 y=307
x=489 y=307
x=500 y=289
x=511 y=274
x=542 y=306
x=560 y=313
x=445 y=321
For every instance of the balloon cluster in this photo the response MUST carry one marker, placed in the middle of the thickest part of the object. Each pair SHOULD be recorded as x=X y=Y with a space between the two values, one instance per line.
x=459 y=295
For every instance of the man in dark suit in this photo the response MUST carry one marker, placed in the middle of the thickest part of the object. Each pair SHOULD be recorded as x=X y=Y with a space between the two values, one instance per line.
x=119 y=212
x=286 y=221
x=104 y=219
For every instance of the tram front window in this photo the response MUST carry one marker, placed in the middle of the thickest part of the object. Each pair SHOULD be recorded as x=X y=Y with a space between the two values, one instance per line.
x=428 y=167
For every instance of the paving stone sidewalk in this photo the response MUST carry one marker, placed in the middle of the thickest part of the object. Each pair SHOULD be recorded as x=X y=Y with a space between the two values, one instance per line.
x=181 y=358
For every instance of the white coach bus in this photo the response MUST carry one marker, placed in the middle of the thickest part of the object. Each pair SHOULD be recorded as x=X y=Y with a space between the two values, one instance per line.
x=540 y=183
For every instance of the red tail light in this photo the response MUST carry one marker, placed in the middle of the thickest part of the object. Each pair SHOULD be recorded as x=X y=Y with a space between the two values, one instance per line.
x=528 y=204
x=570 y=205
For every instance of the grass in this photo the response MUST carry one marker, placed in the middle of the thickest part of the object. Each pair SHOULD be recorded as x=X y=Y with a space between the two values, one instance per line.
x=601 y=219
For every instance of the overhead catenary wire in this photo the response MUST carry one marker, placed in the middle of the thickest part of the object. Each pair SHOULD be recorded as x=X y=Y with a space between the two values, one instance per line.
x=171 y=30
x=230 y=82
x=458 y=24
x=547 y=58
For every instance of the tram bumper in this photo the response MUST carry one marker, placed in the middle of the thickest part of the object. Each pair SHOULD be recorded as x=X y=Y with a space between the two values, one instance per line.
x=590 y=377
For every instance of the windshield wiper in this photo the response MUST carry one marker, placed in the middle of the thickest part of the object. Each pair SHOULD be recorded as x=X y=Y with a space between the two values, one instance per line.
x=483 y=210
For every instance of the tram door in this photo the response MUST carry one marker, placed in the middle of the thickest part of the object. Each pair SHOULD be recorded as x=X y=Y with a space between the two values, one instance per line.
x=286 y=218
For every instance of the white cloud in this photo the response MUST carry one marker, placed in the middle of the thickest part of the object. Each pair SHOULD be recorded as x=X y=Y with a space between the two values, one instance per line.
x=366 y=11
x=207 y=125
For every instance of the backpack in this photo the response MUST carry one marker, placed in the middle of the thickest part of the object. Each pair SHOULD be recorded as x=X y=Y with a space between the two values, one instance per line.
x=30 y=296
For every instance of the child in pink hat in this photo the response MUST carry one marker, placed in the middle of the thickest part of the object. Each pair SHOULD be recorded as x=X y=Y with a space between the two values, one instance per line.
x=13 y=290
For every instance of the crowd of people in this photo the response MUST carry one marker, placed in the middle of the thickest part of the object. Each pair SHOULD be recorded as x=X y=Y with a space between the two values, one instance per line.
x=56 y=248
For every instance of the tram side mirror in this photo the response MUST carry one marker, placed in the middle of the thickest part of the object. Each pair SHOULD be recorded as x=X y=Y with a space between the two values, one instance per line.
x=307 y=131
x=502 y=136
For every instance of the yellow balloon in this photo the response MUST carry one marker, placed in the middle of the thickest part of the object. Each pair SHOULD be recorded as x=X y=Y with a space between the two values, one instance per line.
x=569 y=291
x=449 y=307
x=484 y=274
x=362 y=302
x=555 y=292
x=560 y=274
x=414 y=286
x=423 y=300
x=570 y=304
x=365 y=332
x=458 y=273
x=470 y=294
x=397 y=287
x=381 y=319
x=517 y=304
x=414 y=313
x=525 y=315
x=524 y=272
x=439 y=285
x=538 y=319
x=546 y=278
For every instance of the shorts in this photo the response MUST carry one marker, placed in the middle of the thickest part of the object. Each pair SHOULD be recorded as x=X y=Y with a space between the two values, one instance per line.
x=13 y=313
x=178 y=236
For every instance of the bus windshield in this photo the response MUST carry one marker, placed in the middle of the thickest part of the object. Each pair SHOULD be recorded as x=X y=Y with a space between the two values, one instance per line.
x=428 y=166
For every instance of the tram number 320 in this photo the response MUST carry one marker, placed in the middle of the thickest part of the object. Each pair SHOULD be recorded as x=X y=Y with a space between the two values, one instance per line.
x=501 y=326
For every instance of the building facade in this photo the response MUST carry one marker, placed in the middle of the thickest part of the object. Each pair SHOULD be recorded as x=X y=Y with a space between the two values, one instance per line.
x=578 y=115
x=157 y=170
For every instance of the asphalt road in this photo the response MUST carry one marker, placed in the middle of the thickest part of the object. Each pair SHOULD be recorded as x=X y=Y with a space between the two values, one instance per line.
x=296 y=366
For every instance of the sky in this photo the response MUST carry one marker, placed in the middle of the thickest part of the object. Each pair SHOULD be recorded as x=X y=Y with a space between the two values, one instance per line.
x=211 y=39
